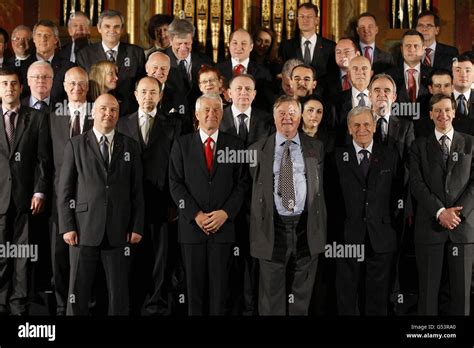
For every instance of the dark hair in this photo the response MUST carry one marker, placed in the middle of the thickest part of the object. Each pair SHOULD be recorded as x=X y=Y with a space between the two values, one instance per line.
x=439 y=72
x=366 y=14
x=10 y=71
x=306 y=66
x=110 y=14
x=354 y=43
x=148 y=77
x=157 y=21
x=440 y=96
x=272 y=52
x=426 y=13
x=413 y=32
x=4 y=33
x=465 y=57
x=309 y=6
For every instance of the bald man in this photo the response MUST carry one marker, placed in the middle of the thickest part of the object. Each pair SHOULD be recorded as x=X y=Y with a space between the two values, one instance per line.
x=100 y=207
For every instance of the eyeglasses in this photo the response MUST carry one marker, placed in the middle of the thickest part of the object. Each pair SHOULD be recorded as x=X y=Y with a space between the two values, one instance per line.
x=82 y=84
x=40 y=77
x=425 y=26
x=205 y=82
x=16 y=39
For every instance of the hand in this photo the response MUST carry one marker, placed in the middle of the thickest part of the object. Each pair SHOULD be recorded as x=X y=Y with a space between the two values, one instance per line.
x=70 y=238
x=449 y=218
x=134 y=238
x=37 y=205
x=200 y=218
x=215 y=220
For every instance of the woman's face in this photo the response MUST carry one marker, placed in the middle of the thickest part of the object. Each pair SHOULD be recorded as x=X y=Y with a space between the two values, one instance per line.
x=210 y=83
x=262 y=43
x=312 y=114
x=111 y=78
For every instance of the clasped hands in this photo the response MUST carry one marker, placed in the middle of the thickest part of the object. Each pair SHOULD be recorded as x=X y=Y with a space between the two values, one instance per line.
x=71 y=238
x=450 y=217
x=211 y=222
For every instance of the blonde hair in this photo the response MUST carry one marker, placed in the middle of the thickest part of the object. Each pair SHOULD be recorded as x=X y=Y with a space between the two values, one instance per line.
x=97 y=77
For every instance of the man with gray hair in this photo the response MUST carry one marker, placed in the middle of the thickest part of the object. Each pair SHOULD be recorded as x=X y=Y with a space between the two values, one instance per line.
x=40 y=80
x=288 y=67
x=129 y=59
x=78 y=27
x=208 y=185
x=366 y=177
x=21 y=45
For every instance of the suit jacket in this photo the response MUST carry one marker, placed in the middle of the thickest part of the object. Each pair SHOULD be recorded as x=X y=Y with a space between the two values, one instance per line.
x=262 y=229
x=155 y=158
x=26 y=168
x=261 y=125
x=399 y=77
x=193 y=189
x=66 y=50
x=25 y=101
x=443 y=58
x=104 y=201
x=370 y=203
x=131 y=67
x=436 y=184
x=382 y=62
x=464 y=124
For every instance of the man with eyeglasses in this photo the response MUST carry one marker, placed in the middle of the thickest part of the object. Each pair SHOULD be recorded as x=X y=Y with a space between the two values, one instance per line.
x=40 y=80
x=436 y=55
x=309 y=47
x=21 y=44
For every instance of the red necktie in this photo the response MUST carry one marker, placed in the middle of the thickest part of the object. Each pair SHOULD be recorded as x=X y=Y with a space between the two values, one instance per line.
x=427 y=60
x=238 y=70
x=411 y=85
x=208 y=153
x=345 y=83
x=367 y=53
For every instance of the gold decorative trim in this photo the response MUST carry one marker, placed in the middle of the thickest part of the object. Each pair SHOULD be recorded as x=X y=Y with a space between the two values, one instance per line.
x=278 y=18
x=202 y=18
x=216 y=13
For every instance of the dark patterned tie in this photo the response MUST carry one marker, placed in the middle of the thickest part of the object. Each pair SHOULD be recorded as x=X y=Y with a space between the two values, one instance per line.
x=41 y=105
x=427 y=60
x=286 y=187
x=462 y=106
x=76 y=124
x=243 y=132
x=104 y=150
x=365 y=162
x=444 y=147
x=184 y=72
x=380 y=135
x=239 y=69
x=111 y=56
x=10 y=127
x=307 y=53
x=367 y=53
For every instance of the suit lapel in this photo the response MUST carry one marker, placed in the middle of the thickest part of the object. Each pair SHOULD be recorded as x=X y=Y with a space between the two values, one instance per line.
x=457 y=146
x=297 y=47
x=122 y=51
x=317 y=50
x=3 y=136
x=393 y=130
x=311 y=163
x=376 y=160
x=198 y=148
x=228 y=125
x=266 y=166
x=22 y=124
x=434 y=151
x=132 y=125
x=117 y=149
x=94 y=145
x=253 y=126
x=354 y=165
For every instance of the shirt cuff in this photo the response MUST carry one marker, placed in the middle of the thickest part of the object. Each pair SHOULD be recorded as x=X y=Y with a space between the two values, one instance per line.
x=439 y=212
x=39 y=195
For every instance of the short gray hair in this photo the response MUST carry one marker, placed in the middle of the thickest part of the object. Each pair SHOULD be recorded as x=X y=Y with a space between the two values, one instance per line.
x=49 y=24
x=22 y=27
x=358 y=110
x=40 y=63
x=286 y=99
x=289 y=65
x=211 y=96
x=78 y=14
x=181 y=28
x=383 y=76
x=110 y=14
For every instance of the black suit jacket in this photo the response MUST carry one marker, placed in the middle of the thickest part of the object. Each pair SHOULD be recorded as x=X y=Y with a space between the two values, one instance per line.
x=464 y=124
x=382 y=62
x=436 y=184
x=66 y=50
x=261 y=125
x=155 y=158
x=193 y=189
x=131 y=67
x=443 y=58
x=94 y=201
x=370 y=204
x=399 y=77
x=26 y=168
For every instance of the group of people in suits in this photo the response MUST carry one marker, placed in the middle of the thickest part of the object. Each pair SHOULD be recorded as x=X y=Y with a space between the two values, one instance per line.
x=254 y=180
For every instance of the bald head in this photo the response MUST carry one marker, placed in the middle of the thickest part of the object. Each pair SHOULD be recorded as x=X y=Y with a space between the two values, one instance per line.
x=158 y=66
x=360 y=72
x=105 y=113
x=76 y=85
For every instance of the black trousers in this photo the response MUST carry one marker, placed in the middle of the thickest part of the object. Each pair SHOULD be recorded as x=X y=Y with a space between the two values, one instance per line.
x=14 y=229
x=207 y=266
x=84 y=261
x=286 y=281
x=60 y=265
x=429 y=259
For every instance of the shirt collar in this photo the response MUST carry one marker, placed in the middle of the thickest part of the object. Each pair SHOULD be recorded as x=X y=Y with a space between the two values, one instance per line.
x=433 y=46
x=358 y=148
x=16 y=109
x=245 y=62
x=49 y=60
x=280 y=139
x=115 y=48
x=109 y=136
x=406 y=67
x=313 y=39
x=82 y=109
x=204 y=136
x=33 y=101
x=450 y=134
x=363 y=46
x=355 y=93
x=141 y=113
x=467 y=95
x=236 y=112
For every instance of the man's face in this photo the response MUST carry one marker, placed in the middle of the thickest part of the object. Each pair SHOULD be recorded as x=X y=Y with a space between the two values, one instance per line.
x=362 y=129
x=162 y=36
x=21 y=42
x=40 y=81
x=367 y=30
x=147 y=94
x=441 y=84
x=110 y=29
x=287 y=118
x=412 y=49
x=382 y=96
x=307 y=20
x=240 y=46
x=209 y=114
x=312 y=113
x=302 y=81
x=76 y=85
x=426 y=26
x=10 y=89
x=182 y=46
x=242 y=91
x=360 y=72
x=463 y=75
x=105 y=113
x=45 y=40
x=78 y=27
x=344 y=53
x=158 y=66
x=442 y=114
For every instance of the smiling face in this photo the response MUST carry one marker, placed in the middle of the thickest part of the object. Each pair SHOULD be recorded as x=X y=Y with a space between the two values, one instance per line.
x=287 y=118
x=105 y=113
x=76 y=85
x=382 y=96
x=442 y=114
x=312 y=114
x=21 y=42
x=367 y=29
x=209 y=115
x=209 y=83
x=162 y=36
x=45 y=41
x=182 y=46
x=263 y=41
x=362 y=128
x=158 y=66
x=240 y=45
x=110 y=29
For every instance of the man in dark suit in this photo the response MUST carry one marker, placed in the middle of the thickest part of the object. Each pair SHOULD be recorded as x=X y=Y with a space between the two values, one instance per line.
x=240 y=46
x=129 y=59
x=24 y=183
x=463 y=78
x=208 y=189
x=250 y=125
x=186 y=61
x=441 y=179
x=40 y=80
x=307 y=46
x=370 y=188
x=78 y=27
x=410 y=75
x=436 y=55
x=155 y=134
x=367 y=30
x=288 y=215
x=68 y=120
x=21 y=45
x=304 y=81
x=100 y=208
